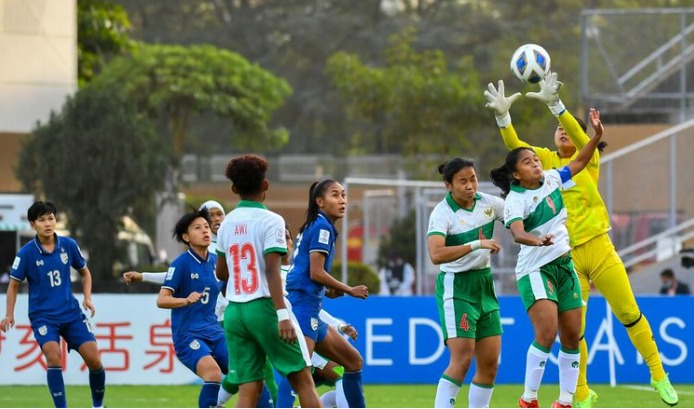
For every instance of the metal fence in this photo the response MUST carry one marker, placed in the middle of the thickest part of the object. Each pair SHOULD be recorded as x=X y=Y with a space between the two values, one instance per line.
x=636 y=65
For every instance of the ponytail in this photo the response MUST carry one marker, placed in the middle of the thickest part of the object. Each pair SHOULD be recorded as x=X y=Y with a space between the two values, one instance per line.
x=316 y=190
x=502 y=177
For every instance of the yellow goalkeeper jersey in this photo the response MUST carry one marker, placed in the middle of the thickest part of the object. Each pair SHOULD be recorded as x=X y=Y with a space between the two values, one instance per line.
x=587 y=214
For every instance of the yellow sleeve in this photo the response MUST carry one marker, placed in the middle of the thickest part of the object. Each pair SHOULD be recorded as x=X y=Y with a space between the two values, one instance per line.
x=512 y=142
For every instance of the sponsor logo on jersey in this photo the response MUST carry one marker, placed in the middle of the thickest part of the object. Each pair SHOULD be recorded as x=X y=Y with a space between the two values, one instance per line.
x=535 y=199
x=193 y=276
x=194 y=345
x=574 y=364
x=279 y=237
x=63 y=257
x=15 y=264
x=314 y=323
x=43 y=330
x=324 y=236
x=489 y=212
x=39 y=263
x=170 y=273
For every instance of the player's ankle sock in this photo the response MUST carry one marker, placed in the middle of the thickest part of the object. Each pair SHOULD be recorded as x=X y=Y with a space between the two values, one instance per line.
x=56 y=386
x=351 y=382
x=534 y=369
x=568 y=374
x=285 y=394
x=265 y=400
x=227 y=390
x=341 y=398
x=480 y=395
x=642 y=337
x=329 y=399
x=97 y=383
x=208 y=395
x=582 y=391
x=446 y=392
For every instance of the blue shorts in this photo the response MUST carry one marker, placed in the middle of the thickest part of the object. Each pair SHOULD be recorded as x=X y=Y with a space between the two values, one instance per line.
x=190 y=348
x=311 y=325
x=76 y=331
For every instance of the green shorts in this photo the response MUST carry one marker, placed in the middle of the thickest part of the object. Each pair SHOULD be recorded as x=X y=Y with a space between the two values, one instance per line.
x=468 y=307
x=252 y=335
x=556 y=281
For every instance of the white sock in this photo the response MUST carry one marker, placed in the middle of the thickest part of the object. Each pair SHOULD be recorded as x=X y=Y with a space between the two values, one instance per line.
x=340 y=399
x=329 y=399
x=534 y=369
x=446 y=392
x=223 y=397
x=480 y=395
x=568 y=374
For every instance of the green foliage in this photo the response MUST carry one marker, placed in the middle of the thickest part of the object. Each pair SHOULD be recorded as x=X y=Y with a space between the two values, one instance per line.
x=358 y=274
x=415 y=104
x=174 y=83
x=401 y=241
x=98 y=160
x=102 y=31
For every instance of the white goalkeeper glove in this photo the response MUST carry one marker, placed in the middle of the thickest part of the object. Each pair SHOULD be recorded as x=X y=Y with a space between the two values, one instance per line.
x=499 y=103
x=549 y=93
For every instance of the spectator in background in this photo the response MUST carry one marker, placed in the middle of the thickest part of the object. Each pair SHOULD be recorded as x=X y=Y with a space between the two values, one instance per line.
x=397 y=277
x=671 y=286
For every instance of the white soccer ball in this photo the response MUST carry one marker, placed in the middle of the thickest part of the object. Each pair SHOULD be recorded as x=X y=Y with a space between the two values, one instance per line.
x=530 y=63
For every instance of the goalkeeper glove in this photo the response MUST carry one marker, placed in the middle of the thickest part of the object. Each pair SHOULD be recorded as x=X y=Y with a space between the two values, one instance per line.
x=499 y=103
x=549 y=93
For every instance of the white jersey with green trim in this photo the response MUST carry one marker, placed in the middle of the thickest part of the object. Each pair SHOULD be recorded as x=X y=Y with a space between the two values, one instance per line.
x=460 y=226
x=246 y=235
x=542 y=212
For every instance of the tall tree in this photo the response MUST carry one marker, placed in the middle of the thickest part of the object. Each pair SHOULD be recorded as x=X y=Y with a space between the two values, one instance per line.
x=415 y=104
x=98 y=160
x=175 y=83
x=102 y=32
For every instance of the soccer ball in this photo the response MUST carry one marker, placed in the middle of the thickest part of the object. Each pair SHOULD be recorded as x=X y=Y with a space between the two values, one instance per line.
x=530 y=63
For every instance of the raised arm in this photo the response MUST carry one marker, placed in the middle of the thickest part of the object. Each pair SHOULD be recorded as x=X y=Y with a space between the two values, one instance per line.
x=587 y=152
x=500 y=104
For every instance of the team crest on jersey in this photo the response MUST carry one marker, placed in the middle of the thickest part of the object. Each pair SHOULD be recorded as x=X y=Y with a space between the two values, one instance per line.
x=489 y=212
x=314 y=324
x=43 y=330
x=462 y=222
x=63 y=257
x=15 y=265
x=195 y=345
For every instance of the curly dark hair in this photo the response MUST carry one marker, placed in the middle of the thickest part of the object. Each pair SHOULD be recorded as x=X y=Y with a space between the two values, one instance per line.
x=247 y=173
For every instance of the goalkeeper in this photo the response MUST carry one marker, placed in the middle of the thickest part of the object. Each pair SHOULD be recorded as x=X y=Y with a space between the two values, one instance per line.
x=593 y=253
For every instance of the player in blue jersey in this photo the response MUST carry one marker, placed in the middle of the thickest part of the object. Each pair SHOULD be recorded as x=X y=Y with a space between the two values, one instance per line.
x=54 y=311
x=308 y=278
x=190 y=290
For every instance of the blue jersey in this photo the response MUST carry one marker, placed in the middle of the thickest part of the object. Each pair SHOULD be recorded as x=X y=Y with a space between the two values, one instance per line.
x=189 y=273
x=321 y=236
x=48 y=275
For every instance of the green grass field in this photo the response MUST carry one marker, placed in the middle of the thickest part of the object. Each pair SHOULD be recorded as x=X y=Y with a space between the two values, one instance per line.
x=377 y=396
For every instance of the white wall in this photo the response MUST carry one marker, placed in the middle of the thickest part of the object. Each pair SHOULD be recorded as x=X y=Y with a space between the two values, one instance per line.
x=38 y=68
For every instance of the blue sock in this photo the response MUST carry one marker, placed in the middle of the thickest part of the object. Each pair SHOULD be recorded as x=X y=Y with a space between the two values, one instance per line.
x=351 y=383
x=97 y=383
x=208 y=395
x=56 y=386
x=265 y=400
x=285 y=396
